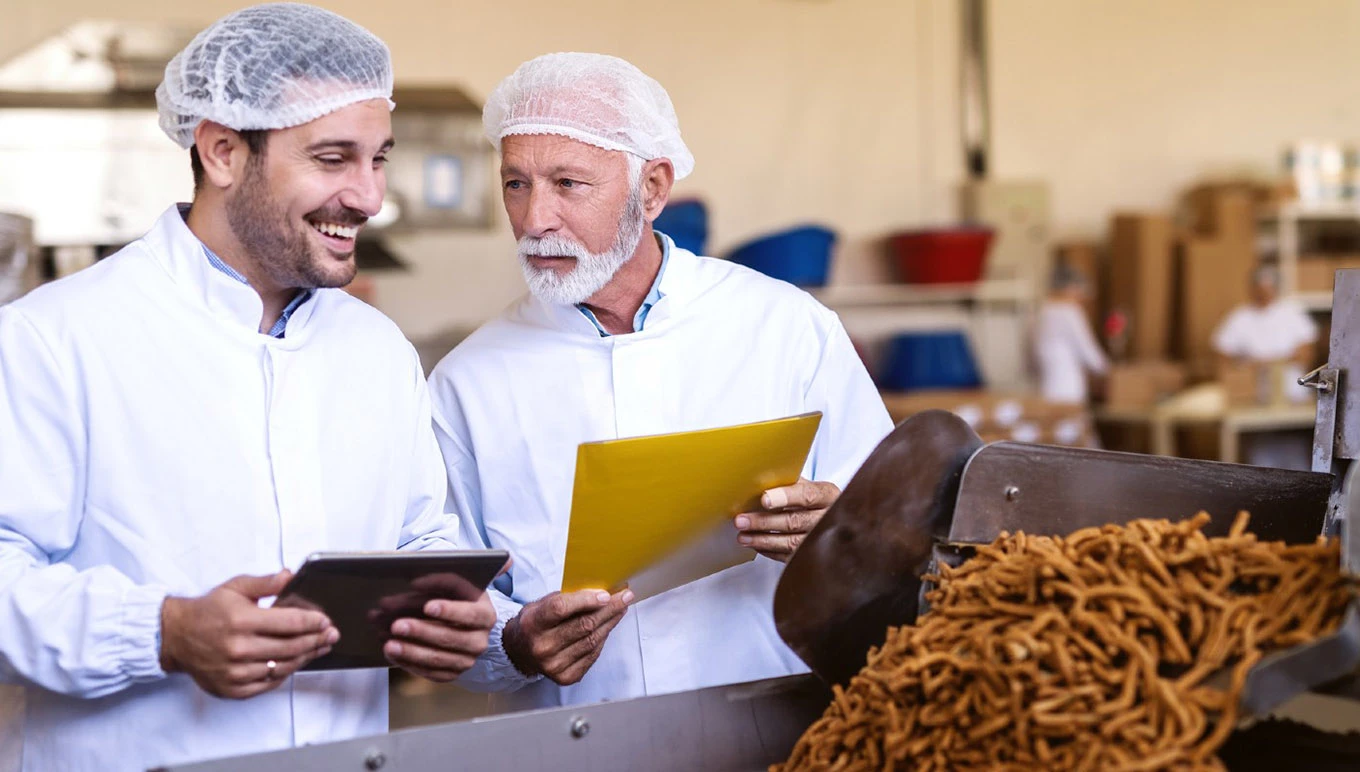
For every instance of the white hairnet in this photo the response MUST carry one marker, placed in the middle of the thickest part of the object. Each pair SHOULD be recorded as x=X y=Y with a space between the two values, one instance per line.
x=597 y=99
x=272 y=66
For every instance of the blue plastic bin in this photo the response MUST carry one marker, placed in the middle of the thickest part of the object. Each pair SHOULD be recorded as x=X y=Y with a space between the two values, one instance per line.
x=800 y=256
x=929 y=360
x=686 y=222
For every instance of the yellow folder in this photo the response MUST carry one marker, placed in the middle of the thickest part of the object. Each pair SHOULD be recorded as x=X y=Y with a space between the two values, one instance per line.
x=637 y=501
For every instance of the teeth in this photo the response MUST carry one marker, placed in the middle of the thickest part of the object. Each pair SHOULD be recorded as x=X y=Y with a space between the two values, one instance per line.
x=332 y=229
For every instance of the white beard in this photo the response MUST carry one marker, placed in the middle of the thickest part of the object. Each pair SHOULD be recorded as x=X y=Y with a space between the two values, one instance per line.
x=592 y=270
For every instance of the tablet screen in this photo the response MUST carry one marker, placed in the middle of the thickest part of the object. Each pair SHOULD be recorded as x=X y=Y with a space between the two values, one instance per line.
x=363 y=593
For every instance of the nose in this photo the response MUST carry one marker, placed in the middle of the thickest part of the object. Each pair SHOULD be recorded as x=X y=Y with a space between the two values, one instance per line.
x=365 y=191
x=540 y=213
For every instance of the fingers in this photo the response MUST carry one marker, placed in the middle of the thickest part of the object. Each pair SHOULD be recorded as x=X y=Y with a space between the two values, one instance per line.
x=468 y=615
x=779 y=546
x=553 y=609
x=801 y=521
x=408 y=655
x=437 y=635
x=280 y=622
x=259 y=648
x=575 y=661
x=256 y=587
x=243 y=680
x=804 y=494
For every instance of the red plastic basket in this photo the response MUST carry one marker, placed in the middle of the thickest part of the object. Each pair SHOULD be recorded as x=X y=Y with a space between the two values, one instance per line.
x=941 y=256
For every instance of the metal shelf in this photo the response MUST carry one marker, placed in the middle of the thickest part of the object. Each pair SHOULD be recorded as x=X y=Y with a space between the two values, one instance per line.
x=1314 y=301
x=989 y=291
x=1339 y=210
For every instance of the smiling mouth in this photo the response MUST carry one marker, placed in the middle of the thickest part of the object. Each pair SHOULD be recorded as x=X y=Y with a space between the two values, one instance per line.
x=340 y=237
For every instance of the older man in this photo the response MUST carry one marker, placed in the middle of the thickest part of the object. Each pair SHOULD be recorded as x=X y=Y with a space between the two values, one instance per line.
x=625 y=334
x=188 y=417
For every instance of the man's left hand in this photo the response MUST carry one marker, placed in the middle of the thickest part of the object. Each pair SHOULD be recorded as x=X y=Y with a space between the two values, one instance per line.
x=449 y=639
x=789 y=514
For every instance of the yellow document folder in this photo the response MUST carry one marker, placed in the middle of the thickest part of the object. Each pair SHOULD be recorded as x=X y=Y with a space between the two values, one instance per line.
x=640 y=500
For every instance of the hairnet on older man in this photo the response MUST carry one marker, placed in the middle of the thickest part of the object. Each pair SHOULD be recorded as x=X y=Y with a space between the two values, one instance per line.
x=593 y=98
x=272 y=66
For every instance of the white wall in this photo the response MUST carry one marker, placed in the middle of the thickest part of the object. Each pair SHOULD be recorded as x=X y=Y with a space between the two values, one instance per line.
x=845 y=111
x=1122 y=104
x=835 y=111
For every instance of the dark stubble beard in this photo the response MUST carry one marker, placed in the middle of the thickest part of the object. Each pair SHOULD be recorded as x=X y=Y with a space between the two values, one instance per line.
x=286 y=254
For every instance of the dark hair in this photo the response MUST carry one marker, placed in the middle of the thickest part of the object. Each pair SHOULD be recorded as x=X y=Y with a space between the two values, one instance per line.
x=256 y=141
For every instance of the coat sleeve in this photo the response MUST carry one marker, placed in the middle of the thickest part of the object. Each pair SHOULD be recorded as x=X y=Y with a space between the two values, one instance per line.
x=80 y=633
x=428 y=523
x=1092 y=356
x=854 y=419
x=493 y=671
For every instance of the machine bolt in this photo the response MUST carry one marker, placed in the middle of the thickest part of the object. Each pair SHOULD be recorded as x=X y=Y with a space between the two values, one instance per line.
x=1012 y=493
x=375 y=760
x=580 y=727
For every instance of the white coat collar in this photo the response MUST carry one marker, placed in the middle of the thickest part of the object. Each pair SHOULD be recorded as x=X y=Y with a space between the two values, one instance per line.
x=237 y=305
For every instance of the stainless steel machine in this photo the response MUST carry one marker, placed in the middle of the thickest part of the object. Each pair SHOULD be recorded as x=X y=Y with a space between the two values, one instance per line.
x=925 y=494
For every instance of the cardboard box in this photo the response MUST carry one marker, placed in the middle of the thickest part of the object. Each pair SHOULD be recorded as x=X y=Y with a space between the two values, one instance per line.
x=1257 y=384
x=1214 y=275
x=1317 y=273
x=1140 y=280
x=1142 y=384
x=1223 y=211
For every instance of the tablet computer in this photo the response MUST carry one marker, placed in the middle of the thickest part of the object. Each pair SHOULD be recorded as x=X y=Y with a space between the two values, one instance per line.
x=363 y=593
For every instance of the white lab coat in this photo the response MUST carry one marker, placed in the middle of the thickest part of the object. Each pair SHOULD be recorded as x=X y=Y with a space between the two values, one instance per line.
x=1272 y=334
x=725 y=345
x=1065 y=350
x=153 y=442
x=1265 y=334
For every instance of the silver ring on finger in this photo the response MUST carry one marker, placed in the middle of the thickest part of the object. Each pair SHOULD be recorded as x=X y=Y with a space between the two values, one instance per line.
x=271 y=670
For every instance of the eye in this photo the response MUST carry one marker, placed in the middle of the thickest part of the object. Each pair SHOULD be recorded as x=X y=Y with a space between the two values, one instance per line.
x=513 y=184
x=380 y=161
x=331 y=160
x=569 y=184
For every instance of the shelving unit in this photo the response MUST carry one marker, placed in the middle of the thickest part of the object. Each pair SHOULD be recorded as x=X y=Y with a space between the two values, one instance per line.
x=993 y=312
x=1286 y=220
x=990 y=292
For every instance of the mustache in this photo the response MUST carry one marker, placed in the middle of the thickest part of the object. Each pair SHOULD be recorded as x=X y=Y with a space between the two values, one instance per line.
x=553 y=245
x=339 y=215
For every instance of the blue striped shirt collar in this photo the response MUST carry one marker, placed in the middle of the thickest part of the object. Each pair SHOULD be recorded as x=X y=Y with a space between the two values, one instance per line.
x=654 y=295
x=281 y=324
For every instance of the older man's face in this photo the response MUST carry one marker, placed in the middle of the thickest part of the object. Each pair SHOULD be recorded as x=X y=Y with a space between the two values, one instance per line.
x=574 y=213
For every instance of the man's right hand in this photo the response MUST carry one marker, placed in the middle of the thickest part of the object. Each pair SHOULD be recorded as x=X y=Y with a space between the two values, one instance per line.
x=225 y=641
x=560 y=635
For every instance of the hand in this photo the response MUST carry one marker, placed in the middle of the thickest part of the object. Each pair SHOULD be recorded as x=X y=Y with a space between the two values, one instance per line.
x=790 y=513
x=561 y=634
x=452 y=634
x=225 y=641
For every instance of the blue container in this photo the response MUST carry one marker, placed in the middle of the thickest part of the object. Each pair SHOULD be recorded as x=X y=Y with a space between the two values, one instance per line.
x=686 y=222
x=929 y=360
x=801 y=256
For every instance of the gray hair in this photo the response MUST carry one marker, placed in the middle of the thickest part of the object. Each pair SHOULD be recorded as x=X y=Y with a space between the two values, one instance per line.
x=1065 y=276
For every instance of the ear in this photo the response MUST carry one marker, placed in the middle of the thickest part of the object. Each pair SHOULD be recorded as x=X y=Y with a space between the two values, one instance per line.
x=222 y=152
x=658 y=176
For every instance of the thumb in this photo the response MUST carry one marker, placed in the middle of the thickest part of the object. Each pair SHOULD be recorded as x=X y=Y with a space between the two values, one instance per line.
x=256 y=587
